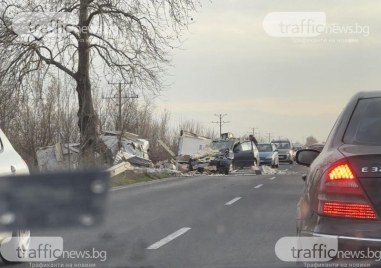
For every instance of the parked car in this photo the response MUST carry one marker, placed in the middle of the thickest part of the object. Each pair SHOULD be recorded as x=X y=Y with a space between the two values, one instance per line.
x=225 y=155
x=12 y=163
x=284 y=150
x=295 y=149
x=342 y=197
x=268 y=154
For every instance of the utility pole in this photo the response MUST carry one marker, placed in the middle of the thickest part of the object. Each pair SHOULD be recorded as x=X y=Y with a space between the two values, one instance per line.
x=269 y=134
x=120 y=97
x=220 y=122
x=253 y=129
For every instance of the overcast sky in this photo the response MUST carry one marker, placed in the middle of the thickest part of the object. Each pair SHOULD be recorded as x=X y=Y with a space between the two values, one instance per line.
x=229 y=64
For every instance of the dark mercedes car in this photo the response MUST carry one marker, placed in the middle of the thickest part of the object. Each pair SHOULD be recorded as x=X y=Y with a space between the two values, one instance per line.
x=342 y=196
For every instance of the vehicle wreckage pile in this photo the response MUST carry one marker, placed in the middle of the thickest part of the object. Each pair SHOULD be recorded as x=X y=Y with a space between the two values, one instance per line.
x=196 y=154
x=122 y=147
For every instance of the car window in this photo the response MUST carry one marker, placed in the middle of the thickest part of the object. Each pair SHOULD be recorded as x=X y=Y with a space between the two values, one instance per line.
x=283 y=145
x=246 y=146
x=364 y=127
x=264 y=147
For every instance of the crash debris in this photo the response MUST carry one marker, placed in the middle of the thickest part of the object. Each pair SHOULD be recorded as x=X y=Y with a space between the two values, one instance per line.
x=122 y=146
x=196 y=155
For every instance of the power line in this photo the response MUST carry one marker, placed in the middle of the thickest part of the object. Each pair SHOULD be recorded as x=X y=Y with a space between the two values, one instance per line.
x=269 y=135
x=253 y=129
x=220 y=122
x=120 y=97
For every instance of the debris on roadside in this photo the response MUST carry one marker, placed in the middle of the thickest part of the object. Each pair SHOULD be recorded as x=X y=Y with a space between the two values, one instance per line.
x=58 y=157
x=190 y=144
x=123 y=147
x=168 y=164
x=127 y=147
x=266 y=170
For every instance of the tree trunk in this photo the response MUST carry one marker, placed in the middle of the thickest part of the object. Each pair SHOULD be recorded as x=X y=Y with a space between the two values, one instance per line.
x=87 y=118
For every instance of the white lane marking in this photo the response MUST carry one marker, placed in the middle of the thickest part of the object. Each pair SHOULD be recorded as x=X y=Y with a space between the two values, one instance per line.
x=258 y=186
x=119 y=188
x=272 y=178
x=169 y=238
x=232 y=201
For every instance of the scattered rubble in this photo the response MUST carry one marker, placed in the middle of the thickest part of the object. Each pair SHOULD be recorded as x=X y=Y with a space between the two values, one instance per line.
x=266 y=170
x=58 y=157
x=169 y=164
x=126 y=147
x=194 y=155
x=132 y=148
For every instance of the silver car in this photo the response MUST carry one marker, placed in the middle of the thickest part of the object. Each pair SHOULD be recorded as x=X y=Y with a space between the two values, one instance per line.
x=285 y=151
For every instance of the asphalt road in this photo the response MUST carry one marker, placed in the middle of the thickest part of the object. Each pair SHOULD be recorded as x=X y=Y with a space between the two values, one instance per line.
x=206 y=221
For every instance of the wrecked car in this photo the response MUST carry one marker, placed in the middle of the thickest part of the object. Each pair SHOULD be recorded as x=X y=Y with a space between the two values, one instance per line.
x=218 y=157
x=223 y=156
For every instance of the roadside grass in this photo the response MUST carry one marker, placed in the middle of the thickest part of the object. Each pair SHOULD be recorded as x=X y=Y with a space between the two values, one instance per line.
x=130 y=177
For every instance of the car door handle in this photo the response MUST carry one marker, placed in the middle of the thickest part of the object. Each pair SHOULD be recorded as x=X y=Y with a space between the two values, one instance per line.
x=13 y=169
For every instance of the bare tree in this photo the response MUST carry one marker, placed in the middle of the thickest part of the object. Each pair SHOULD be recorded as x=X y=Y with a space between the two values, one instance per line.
x=310 y=140
x=125 y=40
x=197 y=128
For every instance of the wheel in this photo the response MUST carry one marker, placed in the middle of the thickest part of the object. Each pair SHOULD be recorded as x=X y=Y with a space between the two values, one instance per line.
x=21 y=241
x=190 y=167
x=273 y=165
x=229 y=169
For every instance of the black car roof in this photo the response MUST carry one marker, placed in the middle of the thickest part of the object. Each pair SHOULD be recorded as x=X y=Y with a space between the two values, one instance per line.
x=367 y=94
x=335 y=137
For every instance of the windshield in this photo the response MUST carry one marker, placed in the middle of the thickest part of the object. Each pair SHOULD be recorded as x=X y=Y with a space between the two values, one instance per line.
x=178 y=133
x=282 y=145
x=264 y=147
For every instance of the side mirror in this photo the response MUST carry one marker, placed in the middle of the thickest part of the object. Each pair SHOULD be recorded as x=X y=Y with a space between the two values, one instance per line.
x=306 y=157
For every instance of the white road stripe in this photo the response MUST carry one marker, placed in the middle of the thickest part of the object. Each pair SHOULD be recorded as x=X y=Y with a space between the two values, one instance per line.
x=258 y=186
x=272 y=178
x=232 y=201
x=169 y=238
x=119 y=188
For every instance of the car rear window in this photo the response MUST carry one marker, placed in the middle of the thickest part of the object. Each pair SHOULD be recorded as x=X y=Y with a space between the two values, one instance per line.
x=364 y=128
x=264 y=147
x=282 y=145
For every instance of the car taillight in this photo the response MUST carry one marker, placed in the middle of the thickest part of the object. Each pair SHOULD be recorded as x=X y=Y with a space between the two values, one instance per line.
x=357 y=211
x=341 y=172
x=341 y=195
